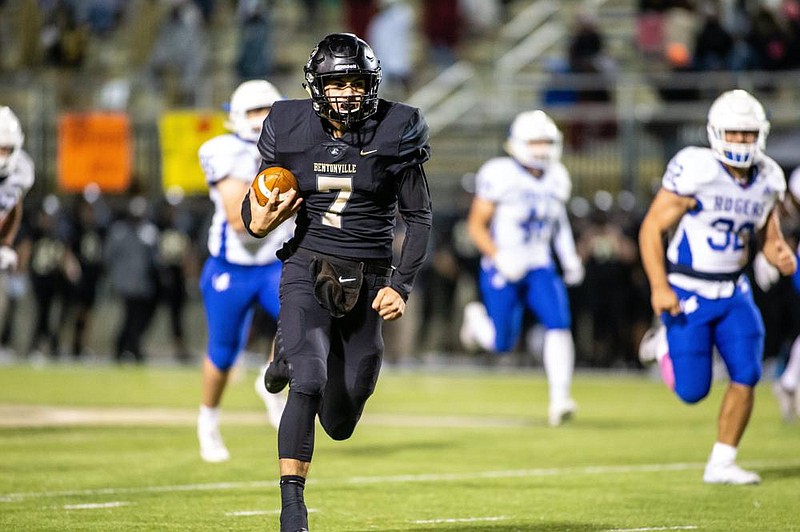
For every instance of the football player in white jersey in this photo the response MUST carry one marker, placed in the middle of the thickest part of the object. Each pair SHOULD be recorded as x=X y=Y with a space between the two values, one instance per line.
x=718 y=202
x=785 y=385
x=16 y=179
x=517 y=216
x=241 y=270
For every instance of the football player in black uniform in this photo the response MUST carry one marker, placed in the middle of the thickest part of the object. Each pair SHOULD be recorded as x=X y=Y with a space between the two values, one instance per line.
x=358 y=161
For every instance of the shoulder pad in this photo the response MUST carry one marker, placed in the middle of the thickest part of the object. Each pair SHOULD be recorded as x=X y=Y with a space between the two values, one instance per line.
x=689 y=169
x=794 y=183
x=773 y=173
x=24 y=173
x=492 y=177
x=562 y=184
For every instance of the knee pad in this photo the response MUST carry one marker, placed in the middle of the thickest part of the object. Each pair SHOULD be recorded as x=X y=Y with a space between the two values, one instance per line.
x=748 y=374
x=692 y=393
x=309 y=375
x=223 y=357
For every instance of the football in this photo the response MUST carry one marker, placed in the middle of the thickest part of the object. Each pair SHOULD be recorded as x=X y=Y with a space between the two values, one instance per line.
x=271 y=178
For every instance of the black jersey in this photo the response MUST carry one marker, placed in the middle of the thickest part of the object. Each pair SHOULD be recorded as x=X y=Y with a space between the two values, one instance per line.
x=353 y=187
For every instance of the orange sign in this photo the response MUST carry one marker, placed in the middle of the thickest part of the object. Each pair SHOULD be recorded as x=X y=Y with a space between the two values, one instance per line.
x=94 y=148
x=181 y=134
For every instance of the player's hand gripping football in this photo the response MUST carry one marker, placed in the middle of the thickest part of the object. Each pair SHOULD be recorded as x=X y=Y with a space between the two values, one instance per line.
x=265 y=218
x=389 y=304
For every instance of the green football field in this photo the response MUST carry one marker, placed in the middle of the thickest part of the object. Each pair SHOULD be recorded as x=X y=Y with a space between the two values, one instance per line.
x=107 y=449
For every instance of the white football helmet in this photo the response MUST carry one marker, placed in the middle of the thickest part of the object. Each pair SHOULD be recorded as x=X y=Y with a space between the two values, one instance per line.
x=11 y=137
x=253 y=94
x=532 y=126
x=737 y=110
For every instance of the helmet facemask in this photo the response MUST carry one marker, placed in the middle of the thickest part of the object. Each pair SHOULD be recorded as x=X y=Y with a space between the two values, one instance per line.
x=738 y=111
x=343 y=55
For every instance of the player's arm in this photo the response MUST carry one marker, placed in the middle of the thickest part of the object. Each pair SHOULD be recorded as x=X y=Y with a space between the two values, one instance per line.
x=414 y=206
x=260 y=220
x=775 y=249
x=8 y=232
x=232 y=192
x=10 y=225
x=564 y=245
x=480 y=215
x=665 y=211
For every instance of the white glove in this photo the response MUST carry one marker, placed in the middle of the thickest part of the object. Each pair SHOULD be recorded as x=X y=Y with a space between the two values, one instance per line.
x=511 y=265
x=765 y=273
x=8 y=259
x=574 y=274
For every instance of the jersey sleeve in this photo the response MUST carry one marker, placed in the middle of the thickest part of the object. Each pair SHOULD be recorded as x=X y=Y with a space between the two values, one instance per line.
x=491 y=181
x=217 y=163
x=413 y=148
x=776 y=178
x=561 y=182
x=688 y=170
x=266 y=142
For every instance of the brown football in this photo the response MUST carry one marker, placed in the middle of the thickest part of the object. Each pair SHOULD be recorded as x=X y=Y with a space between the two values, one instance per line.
x=271 y=178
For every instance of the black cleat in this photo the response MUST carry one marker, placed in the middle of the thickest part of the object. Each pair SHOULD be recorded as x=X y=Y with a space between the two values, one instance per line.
x=277 y=376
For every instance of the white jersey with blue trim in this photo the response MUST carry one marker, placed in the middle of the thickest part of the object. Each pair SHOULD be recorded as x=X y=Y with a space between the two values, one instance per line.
x=527 y=208
x=16 y=185
x=711 y=245
x=228 y=156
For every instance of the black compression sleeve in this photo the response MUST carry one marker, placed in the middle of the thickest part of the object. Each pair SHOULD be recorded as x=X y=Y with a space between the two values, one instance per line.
x=415 y=210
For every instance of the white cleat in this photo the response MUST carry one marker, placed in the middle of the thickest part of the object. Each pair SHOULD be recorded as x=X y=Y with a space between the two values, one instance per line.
x=653 y=341
x=275 y=402
x=212 y=448
x=558 y=414
x=786 y=401
x=474 y=314
x=729 y=473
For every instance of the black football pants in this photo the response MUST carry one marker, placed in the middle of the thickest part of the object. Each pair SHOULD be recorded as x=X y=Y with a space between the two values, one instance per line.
x=335 y=361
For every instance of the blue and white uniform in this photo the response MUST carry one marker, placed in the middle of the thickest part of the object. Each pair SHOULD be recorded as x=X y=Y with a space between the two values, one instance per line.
x=16 y=185
x=241 y=269
x=706 y=257
x=530 y=216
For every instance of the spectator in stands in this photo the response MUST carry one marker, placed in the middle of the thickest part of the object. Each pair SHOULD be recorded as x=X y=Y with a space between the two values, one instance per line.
x=358 y=14
x=713 y=46
x=769 y=41
x=254 y=58
x=391 y=34
x=181 y=50
x=441 y=23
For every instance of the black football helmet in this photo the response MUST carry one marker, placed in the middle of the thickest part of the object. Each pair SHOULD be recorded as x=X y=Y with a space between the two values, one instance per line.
x=343 y=54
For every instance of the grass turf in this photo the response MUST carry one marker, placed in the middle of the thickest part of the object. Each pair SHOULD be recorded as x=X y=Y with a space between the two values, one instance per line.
x=453 y=451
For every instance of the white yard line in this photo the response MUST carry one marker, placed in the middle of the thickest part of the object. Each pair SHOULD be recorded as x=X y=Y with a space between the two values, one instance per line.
x=96 y=505
x=395 y=479
x=457 y=520
x=59 y=416
x=649 y=528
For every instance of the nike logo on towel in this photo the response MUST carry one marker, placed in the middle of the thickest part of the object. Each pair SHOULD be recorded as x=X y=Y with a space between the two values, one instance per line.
x=347 y=280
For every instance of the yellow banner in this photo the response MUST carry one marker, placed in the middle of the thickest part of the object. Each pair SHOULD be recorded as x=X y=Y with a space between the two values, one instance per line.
x=94 y=148
x=181 y=134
